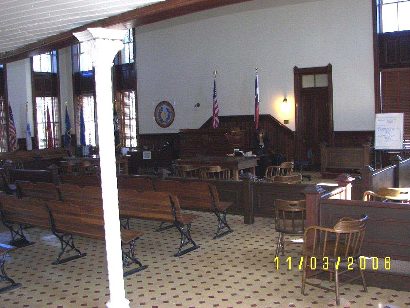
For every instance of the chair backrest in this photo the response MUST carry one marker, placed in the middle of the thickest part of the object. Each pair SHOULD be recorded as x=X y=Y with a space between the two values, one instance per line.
x=344 y=240
x=39 y=190
x=290 y=216
x=369 y=195
x=286 y=168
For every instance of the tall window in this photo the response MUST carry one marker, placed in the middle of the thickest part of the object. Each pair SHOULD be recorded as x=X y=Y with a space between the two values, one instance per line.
x=47 y=123
x=394 y=15
x=127 y=118
x=46 y=103
x=125 y=102
x=86 y=105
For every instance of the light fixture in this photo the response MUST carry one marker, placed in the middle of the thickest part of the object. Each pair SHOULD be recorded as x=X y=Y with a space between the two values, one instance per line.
x=285 y=108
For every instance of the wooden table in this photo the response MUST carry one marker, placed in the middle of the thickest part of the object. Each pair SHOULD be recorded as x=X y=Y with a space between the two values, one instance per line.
x=235 y=164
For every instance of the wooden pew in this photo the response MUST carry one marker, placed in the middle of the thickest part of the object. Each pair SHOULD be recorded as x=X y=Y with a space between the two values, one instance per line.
x=39 y=190
x=160 y=206
x=199 y=196
x=47 y=176
x=18 y=213
x=72 y=192
x=149 y=206
x=135 y=182
x=86 y=219
x=81 y=180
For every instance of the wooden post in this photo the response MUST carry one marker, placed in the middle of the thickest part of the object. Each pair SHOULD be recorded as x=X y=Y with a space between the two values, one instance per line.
x=345 y=180
x=313 y=195
x=248 y=215
x=396 y=161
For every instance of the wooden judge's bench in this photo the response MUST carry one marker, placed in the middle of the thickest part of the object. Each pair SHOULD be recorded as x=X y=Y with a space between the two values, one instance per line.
x=209 y=147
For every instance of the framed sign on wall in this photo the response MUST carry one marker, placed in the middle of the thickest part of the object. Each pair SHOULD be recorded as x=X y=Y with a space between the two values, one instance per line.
x=164 y=114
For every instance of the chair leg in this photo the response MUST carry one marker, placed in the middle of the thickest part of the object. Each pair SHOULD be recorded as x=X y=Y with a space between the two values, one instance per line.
x=337 y=286
x=304 y=276
x=362 y=275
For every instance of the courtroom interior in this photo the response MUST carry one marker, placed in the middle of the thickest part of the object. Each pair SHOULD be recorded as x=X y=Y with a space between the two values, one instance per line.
x=199 y=153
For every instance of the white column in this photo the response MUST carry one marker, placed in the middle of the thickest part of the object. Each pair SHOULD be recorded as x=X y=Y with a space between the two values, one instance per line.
x=106 y=44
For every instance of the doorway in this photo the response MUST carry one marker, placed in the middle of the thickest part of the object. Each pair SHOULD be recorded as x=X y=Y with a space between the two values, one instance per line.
x=314 y=112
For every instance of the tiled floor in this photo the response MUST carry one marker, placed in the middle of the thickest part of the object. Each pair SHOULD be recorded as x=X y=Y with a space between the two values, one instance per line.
x=234 y=271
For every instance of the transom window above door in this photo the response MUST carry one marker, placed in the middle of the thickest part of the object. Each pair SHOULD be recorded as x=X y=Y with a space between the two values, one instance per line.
x=314 y=81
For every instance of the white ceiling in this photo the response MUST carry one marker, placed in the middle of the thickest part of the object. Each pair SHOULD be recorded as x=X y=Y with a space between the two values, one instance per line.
x=28 y=21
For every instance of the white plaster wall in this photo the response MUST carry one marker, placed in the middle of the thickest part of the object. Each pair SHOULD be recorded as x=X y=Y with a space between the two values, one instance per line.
x=176 y=58
x=19 y=93
x=66 y=86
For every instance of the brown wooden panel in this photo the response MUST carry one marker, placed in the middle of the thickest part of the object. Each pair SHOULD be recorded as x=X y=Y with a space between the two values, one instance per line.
x=83 y=83
x=387 y=224
x=394 y=49
x=45 y=84
x=125 y=77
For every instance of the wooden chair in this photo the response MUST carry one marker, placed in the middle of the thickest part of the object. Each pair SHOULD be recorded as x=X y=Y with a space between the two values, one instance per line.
x=335 y=250
x=187 y=171
x=388 y=194
x=284 y=169
x=290 y=218
x=215 y=172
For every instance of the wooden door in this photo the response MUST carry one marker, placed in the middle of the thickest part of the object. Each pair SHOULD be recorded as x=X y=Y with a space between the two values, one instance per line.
x=314 y=121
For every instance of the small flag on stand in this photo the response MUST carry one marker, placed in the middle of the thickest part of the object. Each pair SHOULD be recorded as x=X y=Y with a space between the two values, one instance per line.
x=50 y=140
x=12 y=132
x=256 y=101
x=67 y=134
x=215 y=107
x=29 y=143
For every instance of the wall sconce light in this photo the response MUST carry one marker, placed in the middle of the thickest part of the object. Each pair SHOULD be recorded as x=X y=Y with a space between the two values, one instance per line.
x=285 y=106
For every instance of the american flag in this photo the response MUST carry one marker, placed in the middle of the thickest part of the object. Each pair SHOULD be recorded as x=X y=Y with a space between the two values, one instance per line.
x=12 y=132
x=256 y=101
x=215 y=108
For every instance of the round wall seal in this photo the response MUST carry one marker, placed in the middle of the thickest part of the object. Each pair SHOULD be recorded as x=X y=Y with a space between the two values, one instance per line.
x=164 y=114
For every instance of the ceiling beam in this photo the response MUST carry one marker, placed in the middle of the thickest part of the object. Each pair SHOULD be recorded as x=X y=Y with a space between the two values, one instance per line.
x=138 y=17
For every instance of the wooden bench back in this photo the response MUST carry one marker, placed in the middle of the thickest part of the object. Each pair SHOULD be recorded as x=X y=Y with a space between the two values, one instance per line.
x=24 y=211
x=77 y=217
x=81 y=180
x=191 y=195
x=136 y=183
x=160 y=206
x=39 y=190
x=30 y=175
x=74 y=192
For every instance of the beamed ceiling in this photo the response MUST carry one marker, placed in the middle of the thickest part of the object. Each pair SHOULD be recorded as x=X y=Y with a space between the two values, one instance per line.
x=29 y=27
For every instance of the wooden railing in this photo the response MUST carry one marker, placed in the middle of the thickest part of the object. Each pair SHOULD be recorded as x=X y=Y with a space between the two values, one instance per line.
x=396 y=175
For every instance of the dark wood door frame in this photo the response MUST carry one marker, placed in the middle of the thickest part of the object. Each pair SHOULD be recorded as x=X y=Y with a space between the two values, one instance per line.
x=298 y=73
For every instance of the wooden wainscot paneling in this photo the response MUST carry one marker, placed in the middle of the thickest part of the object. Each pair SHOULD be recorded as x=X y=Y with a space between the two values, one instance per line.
x=344 y=158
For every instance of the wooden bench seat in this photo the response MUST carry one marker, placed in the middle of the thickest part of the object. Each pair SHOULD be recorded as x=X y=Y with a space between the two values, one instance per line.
x=160 y=206
x=16 y=214
x=39 y=190
x=80 y=180
x=86 y=219
x=199 y=196
x=4 y=250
